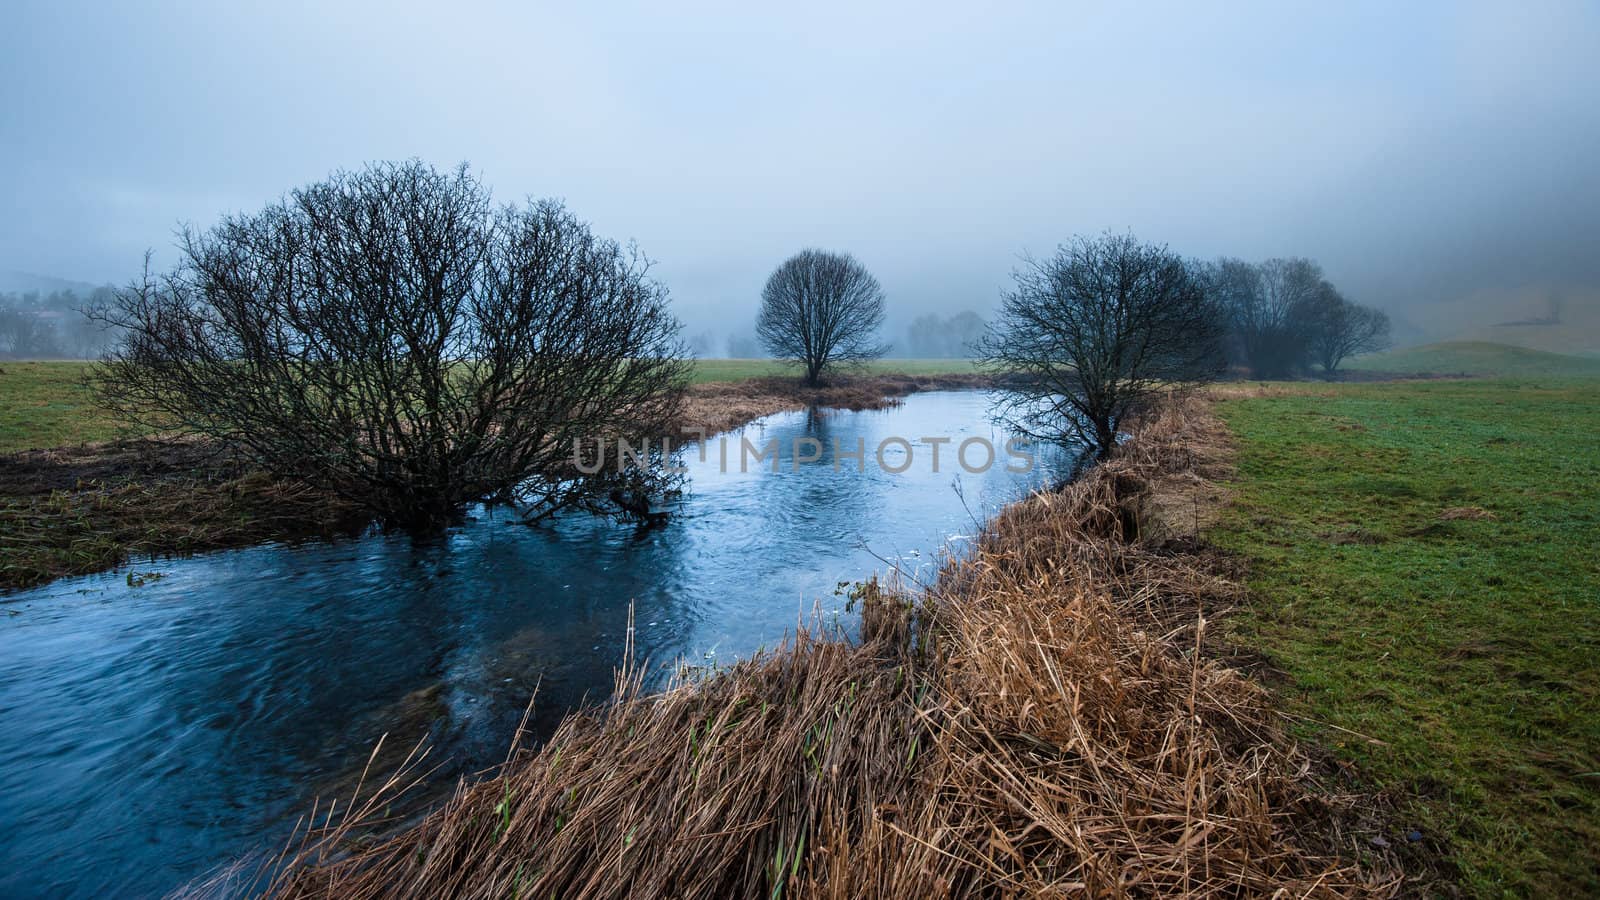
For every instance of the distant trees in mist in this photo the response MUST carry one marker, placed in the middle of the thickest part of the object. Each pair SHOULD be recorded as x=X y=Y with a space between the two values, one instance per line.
x=1283 y=316
x=932 y=336
x=52 y=325
x=702 y=345
x=1086 y=336
x=745 y=346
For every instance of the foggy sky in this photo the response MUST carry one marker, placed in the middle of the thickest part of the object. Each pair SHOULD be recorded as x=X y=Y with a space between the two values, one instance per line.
x=1432 y=156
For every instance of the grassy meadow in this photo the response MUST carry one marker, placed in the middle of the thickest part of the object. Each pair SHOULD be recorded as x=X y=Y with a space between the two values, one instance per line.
x=1424 y=563
x=45 y=404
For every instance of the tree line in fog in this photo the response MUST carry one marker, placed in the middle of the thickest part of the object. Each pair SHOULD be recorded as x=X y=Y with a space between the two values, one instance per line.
x=1278 y=318
x=1281 y=317
x=52 y=325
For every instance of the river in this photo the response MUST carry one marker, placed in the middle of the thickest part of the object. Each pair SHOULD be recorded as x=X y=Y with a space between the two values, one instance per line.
x=154 y=727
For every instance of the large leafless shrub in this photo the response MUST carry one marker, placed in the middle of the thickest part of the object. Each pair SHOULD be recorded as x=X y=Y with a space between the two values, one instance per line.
x=392 y=335
x=821 y=310
x=1089 y=333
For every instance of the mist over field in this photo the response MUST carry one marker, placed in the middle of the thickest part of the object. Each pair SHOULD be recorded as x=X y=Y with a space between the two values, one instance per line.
x=1435 y=158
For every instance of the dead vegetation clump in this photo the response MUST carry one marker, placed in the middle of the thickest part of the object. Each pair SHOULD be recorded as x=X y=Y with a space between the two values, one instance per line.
x=1039 y=722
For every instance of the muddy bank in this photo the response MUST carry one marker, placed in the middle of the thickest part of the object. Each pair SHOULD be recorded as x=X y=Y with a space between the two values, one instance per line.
x=1042 y=721
x=724 y=406
x=85 y=509
x=73 y=511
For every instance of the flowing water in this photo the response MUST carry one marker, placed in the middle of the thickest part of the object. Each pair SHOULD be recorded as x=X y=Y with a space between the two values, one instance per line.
x=159 y=722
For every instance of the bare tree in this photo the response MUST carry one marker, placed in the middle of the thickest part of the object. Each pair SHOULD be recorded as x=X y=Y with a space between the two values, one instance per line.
x=1235 y=287
x=821 y=310
x=1282 y=336
x=1343 y=329
x=393 y=336
x=1089 y=333
x=1270 y=309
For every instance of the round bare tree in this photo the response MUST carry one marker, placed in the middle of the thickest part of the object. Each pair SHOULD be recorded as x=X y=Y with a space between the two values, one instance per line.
x=393 y=336
x=1087 y=335
x=821 y=310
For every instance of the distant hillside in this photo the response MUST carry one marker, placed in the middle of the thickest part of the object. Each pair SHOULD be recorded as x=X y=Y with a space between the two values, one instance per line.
x=1571 y=335
x=1566 y=321
x=1476 y=358
x=12 y=281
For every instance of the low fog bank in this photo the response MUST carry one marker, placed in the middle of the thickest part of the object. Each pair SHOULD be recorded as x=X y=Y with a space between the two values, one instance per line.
x=1434 y=158
x=42 y=317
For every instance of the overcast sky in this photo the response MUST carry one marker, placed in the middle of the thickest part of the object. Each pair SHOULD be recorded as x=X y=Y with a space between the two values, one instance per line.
x=1428 y=154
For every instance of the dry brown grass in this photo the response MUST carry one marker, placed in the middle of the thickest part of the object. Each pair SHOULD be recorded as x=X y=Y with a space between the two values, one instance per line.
x=1466 y=512
x=723 y=406
x=1042 y=722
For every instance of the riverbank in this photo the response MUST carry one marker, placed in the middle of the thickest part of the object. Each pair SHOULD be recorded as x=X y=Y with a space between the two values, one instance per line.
x=93 y=504
x=1048 y=717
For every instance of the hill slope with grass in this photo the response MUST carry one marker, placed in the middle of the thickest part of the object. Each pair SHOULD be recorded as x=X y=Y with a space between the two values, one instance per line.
x=1477 y=358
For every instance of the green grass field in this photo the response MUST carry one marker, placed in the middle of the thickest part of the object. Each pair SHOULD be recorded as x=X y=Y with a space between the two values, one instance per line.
x=1476 y=358
x=1425 y=570
x=44 y=404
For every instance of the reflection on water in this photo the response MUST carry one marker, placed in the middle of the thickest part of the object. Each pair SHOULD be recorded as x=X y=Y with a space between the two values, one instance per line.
x=148 y=734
